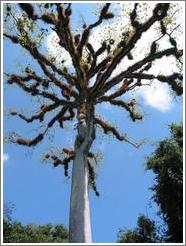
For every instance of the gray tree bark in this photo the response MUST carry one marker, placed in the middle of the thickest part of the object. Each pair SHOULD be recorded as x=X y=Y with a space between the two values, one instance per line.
x=80 y=224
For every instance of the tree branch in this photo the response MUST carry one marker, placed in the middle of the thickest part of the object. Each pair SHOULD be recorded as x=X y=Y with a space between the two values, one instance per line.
x=39 y=116
x=85 y=35
x=40 y=58
x=128 y=73
x=33 y=142
x=129 y=107
x=13 y=78
x=58 y=161
x=159 y=13
x=66 y=40
x=108 y=128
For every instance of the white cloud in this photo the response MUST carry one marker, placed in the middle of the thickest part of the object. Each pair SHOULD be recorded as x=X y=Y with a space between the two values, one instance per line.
x=56 y=51
x=6 y=157
x=106 y=105
x=157 y=95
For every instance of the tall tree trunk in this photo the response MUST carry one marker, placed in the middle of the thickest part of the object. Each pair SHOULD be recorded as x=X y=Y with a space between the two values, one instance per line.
x=80 y=225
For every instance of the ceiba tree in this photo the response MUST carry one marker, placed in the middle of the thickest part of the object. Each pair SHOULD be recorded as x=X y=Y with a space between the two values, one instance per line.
x=78 y=96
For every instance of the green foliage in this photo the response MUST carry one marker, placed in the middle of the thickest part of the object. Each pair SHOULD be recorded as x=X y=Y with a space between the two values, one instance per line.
x=145 y=232
x=167 y=164
x=15 y=232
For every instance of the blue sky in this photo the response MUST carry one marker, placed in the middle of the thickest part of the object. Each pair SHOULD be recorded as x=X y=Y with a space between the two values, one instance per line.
x=41 y=193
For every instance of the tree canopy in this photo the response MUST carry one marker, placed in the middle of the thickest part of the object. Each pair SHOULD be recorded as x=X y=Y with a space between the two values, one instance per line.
x=145 y=232
x=16 y=232
x=167 y=164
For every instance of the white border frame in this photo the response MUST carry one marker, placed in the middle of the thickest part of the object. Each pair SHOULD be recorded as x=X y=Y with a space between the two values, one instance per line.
x=184 y=87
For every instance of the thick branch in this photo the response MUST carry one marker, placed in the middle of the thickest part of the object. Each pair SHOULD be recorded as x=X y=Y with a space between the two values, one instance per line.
x=66 y=89
x=101 y=66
